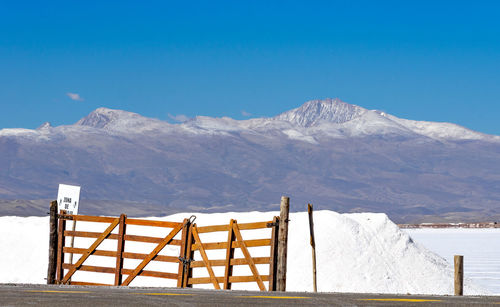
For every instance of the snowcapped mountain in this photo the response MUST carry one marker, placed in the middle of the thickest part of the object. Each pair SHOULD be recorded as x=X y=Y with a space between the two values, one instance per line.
x=330 y=117
x=316 y=111
x=337 y=155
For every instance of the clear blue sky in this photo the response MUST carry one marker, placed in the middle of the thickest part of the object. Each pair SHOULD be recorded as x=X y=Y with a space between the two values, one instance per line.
x=422 y=60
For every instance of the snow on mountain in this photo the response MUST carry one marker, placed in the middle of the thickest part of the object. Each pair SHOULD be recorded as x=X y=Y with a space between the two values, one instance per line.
x=316 y=111
x=441 y=130
x=336 y=118
x=330 y=117
x=18 y=132
x=44 y=126
x=210 y=125
x=122 y=121
x=104 y=117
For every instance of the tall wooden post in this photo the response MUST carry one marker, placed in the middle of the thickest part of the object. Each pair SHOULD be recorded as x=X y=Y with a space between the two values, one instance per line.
x=229 y=256
x=182 y=253
x=282 y=244
x=459 y=275
x=188 y=270
x=51 y=271
x=119 y=250
x=60 y=246
x=313 y=244
x=274 y=254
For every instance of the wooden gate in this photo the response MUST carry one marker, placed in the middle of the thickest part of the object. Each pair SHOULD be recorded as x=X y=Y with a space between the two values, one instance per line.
x=199 y=259
x=65 y=271
x=190 y=257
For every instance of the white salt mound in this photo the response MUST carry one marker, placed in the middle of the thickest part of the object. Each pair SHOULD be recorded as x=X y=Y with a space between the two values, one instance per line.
x=362 y=252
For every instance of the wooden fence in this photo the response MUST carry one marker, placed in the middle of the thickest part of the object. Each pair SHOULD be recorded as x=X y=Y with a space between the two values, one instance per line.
x=187 y=252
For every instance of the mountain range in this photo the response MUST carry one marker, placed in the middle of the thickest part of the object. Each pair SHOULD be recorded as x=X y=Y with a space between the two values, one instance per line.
x=330 y=153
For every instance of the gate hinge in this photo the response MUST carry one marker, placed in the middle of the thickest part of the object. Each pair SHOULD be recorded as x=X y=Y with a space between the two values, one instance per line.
x=274 y=224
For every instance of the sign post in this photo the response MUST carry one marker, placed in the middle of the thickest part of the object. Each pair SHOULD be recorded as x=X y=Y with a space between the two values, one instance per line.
x=68 y=198
x=313 y=244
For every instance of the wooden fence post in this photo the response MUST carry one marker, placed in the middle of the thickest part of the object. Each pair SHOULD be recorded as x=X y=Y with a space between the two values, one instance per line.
x=459 y=275
x=274 y=254
x=228 y=272
x=313 y=245
x=282 y=244
x=60 y=246
x=51 y=271
x=182 y=253
x=188 y=270
x=120 y=249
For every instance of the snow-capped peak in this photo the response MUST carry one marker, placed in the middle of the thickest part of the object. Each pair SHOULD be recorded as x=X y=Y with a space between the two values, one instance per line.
x=44 y=126
x=102 y=117
x=118 y=121
x=315 y=111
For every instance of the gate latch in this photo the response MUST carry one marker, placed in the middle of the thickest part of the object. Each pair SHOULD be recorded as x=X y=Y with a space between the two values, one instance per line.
x=185 y=260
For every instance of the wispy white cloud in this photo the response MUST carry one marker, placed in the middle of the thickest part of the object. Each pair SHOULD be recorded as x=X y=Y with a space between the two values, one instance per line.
x=245 y=113
x=178 y=118
x=74 y=96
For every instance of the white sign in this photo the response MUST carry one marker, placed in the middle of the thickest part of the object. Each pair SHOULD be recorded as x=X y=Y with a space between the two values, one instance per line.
x=68 y=198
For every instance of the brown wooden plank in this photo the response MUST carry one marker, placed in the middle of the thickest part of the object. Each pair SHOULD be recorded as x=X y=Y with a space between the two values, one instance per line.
x=182 y=253
x=247 y=255
x=232 y=279
x=99 y=269
x=83 y=283
x=213 y=228
x=228 y=271
x=209 y=246
x=97 y=252
x=143 y=222
x=152 y=274
x=90 y=234
x=162 y=258
x=188 y=270
x=91 y=249
x=223 y=245
x=237 y=261
x=151 y=255
x=243 y=226
x=205 y=258
x=150 y=239
x=60 y=249
x=274 y=255
x=257 y=225
x=90 y=268
x=88 y=218
x=127 y=255
x=119 y=250
x=282 y=244
x=52 y=267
